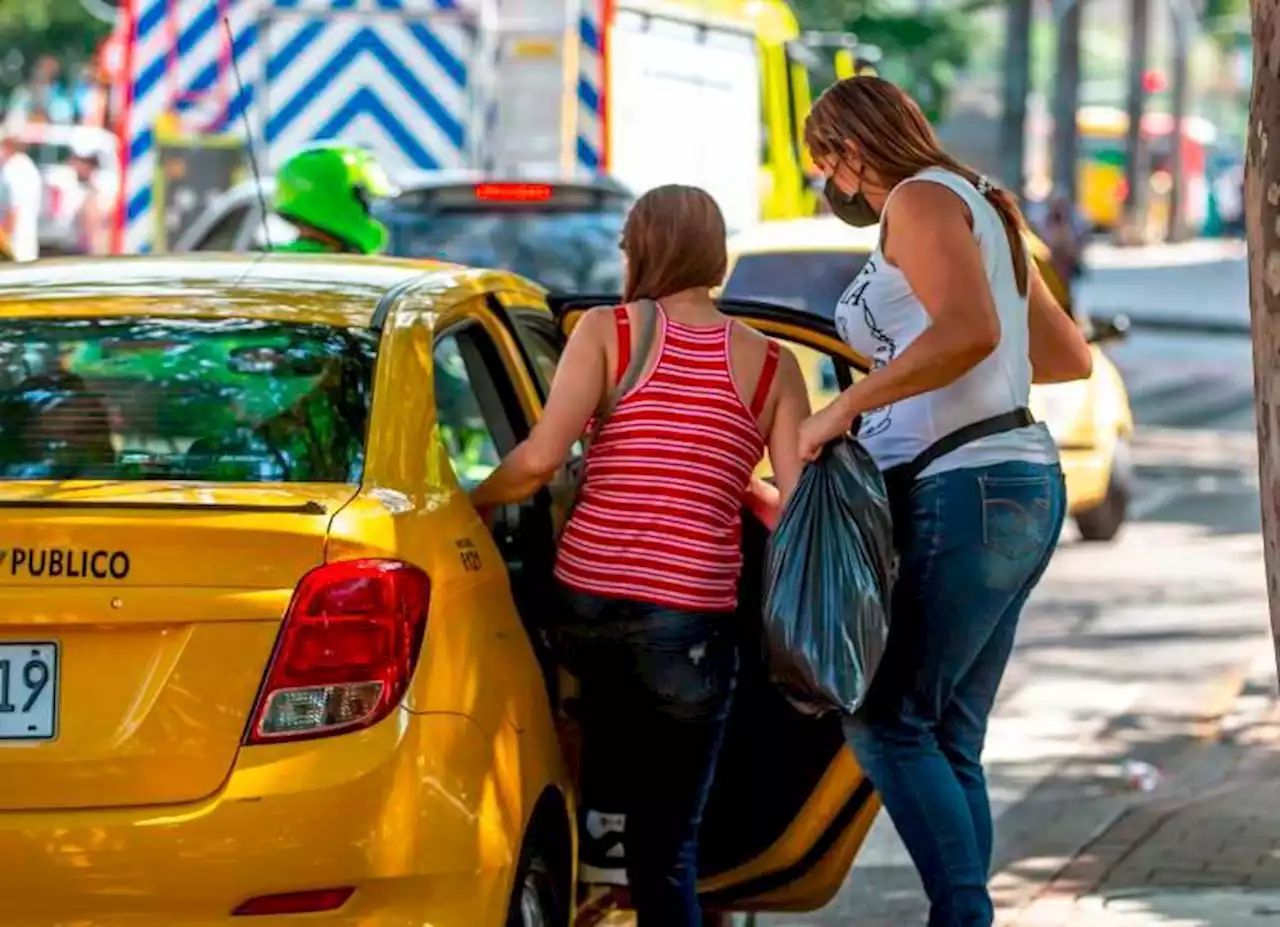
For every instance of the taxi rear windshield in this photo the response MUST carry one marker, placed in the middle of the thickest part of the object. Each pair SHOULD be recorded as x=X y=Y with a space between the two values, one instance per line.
x=225 y=400
x=567 y=241
x=811 y=281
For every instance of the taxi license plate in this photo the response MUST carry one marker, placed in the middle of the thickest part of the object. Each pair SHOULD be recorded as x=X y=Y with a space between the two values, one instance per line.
x=28 y=691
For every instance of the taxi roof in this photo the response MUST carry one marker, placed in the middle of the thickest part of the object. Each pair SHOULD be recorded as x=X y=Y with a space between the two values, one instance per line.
x=335 y=289
x=817 y=233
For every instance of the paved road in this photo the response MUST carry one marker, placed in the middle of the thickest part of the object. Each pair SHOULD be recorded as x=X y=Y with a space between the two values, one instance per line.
x=1125 y=649
x=1179 y=380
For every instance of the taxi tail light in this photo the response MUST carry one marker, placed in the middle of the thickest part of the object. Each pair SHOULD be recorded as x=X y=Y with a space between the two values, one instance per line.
x=325 y=899
x=347 y=649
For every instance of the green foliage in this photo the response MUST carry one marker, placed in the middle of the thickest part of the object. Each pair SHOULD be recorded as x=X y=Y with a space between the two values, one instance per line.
x=36 y=27
x=1226 y=21
x=923 y=51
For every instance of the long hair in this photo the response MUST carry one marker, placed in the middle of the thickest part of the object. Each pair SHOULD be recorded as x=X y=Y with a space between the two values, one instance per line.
x=674 y=239
x=896 y=141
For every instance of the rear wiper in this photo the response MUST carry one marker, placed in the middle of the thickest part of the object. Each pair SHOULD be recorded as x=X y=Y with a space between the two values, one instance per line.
x=297 y=508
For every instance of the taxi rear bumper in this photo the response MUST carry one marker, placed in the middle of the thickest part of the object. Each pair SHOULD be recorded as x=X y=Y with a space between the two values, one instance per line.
x=403 y=813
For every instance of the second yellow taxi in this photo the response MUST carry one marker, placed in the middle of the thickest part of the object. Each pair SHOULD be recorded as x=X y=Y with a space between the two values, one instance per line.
x=807 y=264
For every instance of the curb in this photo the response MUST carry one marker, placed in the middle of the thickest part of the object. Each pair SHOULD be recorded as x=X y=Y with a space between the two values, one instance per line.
x=1116 y=838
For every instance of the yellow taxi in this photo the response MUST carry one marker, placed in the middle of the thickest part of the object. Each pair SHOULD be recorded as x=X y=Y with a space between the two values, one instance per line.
x=259 y=656
x=807 y=263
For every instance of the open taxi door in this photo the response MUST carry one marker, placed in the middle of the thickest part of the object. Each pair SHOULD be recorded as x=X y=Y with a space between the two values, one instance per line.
x=790 y=807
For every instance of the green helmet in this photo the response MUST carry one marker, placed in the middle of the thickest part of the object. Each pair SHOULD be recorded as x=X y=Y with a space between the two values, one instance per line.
x=329 y=186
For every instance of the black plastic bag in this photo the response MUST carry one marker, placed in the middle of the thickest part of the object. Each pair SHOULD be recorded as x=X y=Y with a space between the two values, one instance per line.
x=829 y=574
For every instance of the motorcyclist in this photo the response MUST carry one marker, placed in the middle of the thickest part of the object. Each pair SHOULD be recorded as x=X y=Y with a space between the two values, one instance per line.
x=326 y=191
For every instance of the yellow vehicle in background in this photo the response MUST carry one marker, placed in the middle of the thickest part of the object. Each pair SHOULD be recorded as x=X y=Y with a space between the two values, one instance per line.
x=807 y=264
x=784 y=82
x=787 y=173
x=1103 y=132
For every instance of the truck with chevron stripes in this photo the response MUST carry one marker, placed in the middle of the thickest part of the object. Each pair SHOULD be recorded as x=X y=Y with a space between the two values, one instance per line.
x=709 y=92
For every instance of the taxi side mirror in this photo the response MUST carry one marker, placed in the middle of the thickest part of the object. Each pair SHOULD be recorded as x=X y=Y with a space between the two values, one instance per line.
x=1112 y=328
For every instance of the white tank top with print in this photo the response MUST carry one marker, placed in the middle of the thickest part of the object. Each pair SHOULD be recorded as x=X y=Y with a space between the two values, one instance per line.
x=879 y=316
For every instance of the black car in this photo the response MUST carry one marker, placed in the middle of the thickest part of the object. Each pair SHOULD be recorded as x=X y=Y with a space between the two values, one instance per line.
x=563 y=234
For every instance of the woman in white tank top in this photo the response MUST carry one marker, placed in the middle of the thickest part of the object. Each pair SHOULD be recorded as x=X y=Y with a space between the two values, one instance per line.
x=957 y=324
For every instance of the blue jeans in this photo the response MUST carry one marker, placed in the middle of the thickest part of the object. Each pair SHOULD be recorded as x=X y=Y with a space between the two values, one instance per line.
x=656 y=687
x=973 y=544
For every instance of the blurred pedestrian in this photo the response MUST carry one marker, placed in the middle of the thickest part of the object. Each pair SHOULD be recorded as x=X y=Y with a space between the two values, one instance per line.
x=650 y=559
x=1228 y=194
x=91 y=208
x=958 y=323
x=1066 y=237
x=90 y=97
x=21 y=195
x=42 y=98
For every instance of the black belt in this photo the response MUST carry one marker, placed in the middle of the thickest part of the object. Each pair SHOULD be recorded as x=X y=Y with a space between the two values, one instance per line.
x=901 y=476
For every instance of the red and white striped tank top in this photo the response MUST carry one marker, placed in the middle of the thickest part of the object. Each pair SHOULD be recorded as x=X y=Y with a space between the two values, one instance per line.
x=659 y=518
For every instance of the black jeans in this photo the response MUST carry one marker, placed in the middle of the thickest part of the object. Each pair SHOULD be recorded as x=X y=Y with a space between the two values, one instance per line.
x=656 y=687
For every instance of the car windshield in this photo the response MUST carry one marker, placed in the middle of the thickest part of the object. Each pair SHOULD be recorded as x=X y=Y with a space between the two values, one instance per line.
x=226 y=400
x=811 y=281
x=564 y=247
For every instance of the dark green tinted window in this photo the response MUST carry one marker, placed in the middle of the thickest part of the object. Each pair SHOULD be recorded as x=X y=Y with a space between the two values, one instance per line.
x=227 y=400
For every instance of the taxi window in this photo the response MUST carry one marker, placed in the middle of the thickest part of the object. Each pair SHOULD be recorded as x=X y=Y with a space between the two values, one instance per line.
x=541 y=339
x=225 y=400
x=568 y=241
x=461 y=380
x=811 y=281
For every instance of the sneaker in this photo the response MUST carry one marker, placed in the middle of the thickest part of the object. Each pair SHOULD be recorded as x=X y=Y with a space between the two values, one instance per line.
x=602 y=856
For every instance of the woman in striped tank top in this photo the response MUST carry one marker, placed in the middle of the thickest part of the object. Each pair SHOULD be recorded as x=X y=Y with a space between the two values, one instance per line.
x=649 y=562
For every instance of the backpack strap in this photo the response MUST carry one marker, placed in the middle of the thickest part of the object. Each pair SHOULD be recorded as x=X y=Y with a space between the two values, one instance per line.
x=767 y=373
x=622 y=323
x=629 y=375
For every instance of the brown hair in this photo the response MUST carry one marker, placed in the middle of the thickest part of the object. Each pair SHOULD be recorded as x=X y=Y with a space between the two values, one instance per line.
x=674 y=239
x=896 y=141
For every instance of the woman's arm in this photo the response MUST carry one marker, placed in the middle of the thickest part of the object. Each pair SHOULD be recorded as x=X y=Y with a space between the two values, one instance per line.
x=1059 y=351
x=790 y=408
x=764 y=502
x=576 y=392
x=789 y=413
x=933 y=245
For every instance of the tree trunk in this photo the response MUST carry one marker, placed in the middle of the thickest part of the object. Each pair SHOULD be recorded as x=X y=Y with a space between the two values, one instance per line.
x=1133 y=220
x=1017 y=85
x=1262 y=213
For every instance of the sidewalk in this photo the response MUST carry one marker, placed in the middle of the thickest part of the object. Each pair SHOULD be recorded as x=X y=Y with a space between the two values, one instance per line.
x=1102 y=253
x=1207 y=854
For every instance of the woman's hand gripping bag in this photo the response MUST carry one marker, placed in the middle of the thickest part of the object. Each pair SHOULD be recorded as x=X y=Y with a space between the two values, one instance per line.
x=829 y=566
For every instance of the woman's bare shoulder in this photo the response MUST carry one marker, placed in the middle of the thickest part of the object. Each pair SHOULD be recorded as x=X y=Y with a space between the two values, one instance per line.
x=597 y=321
x=744 y=334
x=925 y=199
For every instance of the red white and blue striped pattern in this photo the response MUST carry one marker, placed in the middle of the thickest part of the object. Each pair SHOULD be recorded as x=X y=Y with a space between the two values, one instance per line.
x=659 y=519
x=591 y=153
x=393 y=75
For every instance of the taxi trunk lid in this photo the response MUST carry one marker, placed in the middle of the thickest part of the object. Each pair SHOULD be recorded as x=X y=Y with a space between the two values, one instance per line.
x=165 y=482
x=136 y=623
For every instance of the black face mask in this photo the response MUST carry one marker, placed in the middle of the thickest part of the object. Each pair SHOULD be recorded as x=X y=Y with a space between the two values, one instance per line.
x=853 y=210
